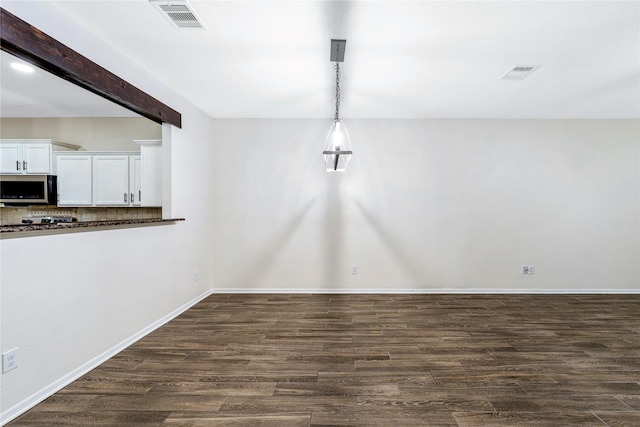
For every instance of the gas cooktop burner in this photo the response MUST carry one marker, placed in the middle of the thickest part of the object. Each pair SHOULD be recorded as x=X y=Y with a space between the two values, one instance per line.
x=47 y=219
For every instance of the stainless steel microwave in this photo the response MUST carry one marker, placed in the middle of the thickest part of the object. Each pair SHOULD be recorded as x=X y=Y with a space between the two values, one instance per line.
x=28 y=189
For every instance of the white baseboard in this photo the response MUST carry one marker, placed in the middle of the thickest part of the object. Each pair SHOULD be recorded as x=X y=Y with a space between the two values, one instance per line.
x=419 y=291
x=41 y=395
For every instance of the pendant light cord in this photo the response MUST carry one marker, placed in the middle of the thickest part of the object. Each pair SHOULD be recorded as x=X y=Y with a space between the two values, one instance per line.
x=337 y=115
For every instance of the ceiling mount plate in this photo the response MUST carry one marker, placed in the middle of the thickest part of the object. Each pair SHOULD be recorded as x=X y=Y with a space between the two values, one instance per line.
x=337 y=50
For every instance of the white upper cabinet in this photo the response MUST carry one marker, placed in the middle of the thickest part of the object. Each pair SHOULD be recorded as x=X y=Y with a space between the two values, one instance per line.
x=135 y=175
x=37 y=158
x=29 y=156
x=111 y=180
x=75 y=182
x=116 y=179
x=11 y=158
x=151 y=172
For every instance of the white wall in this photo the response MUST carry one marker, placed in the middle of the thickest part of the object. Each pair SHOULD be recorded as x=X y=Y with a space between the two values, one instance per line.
x=67 y=299
x=428 y=205
x=91 y=133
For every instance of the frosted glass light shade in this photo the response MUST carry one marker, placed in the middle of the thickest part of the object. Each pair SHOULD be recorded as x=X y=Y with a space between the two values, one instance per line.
x=337 y=148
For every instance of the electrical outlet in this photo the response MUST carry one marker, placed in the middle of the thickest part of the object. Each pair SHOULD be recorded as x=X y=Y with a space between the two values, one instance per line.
x=10 y=360
x=528 y=270
x=354 y=269
x=196 y=276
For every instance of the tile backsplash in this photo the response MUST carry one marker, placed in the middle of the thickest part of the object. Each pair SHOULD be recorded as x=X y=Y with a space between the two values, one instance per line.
x=10 y=215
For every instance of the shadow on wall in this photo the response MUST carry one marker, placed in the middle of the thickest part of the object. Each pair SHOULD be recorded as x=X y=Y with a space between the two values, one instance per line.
x=267 y=260
x=334 y=232
x=396 y=247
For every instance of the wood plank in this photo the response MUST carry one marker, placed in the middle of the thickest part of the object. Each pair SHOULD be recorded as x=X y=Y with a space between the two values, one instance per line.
x=228 y=420
x=85 y=418
x=541 y=419
x=382 y=417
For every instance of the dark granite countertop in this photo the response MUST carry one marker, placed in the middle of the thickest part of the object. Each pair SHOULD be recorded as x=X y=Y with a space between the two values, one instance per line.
x=84 y=225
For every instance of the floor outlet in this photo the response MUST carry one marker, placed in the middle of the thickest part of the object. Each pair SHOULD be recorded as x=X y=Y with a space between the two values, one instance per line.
x=9 y=360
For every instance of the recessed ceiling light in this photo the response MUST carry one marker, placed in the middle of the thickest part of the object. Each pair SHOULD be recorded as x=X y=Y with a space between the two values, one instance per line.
x=519 y=72
x=23 y=68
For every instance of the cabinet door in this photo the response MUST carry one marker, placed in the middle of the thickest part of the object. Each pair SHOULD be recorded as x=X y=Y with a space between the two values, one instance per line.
x=135 y=174
x=11 y=158
x=74 y=180
x=111 y=180
x=37 y=158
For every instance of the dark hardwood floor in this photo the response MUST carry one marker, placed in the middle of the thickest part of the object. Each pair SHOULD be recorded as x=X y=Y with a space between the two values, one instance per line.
x=372 y=360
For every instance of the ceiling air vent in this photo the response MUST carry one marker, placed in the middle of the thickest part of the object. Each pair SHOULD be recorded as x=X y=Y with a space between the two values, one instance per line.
x=519 y=72
x=179 y=12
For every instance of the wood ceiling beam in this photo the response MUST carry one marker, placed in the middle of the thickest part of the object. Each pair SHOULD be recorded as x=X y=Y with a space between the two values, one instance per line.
x=27 y=42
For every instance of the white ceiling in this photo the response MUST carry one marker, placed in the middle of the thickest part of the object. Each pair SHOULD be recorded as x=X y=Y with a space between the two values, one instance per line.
x=40 y=94
x=404 y=59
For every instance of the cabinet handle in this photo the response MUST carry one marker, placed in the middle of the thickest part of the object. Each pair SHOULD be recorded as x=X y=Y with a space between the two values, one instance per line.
x=139 y=195
x=24 y=165
x=125 y=197
x=17 y=165
x=132 y=199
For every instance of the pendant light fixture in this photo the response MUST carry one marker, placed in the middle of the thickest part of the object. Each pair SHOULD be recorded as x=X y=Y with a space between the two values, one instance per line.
x=337 y=147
